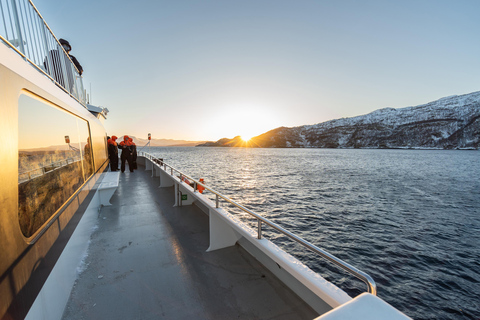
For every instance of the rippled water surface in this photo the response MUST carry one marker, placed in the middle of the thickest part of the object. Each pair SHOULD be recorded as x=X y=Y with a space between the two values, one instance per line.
x=409 y=218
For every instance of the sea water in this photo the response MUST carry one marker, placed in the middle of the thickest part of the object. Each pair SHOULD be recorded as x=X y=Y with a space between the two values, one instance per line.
x=409 y=218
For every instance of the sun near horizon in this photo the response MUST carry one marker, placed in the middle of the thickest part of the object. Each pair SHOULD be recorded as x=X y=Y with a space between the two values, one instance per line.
x=246 y=138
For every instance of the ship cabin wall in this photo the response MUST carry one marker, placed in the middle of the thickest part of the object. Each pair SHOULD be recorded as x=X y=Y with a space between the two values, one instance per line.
x=31 y=246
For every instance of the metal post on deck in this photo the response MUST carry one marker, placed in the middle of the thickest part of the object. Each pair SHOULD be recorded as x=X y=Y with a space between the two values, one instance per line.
x=259 y=234
x=216 y=202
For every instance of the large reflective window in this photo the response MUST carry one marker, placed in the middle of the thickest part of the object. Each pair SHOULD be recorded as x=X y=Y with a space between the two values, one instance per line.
x=54 y=160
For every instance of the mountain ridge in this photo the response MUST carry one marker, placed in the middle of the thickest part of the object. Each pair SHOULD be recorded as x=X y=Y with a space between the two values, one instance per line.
x=447 y=123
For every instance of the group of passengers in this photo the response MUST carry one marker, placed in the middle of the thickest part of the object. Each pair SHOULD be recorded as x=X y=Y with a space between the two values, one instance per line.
x=129 y=153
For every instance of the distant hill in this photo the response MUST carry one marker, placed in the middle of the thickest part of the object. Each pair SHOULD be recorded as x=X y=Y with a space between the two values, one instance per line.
x=164 y=142
x=225 y=142
x=447 y=123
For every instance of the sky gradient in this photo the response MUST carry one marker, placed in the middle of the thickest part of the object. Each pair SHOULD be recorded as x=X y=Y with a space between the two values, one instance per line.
x=205 y=70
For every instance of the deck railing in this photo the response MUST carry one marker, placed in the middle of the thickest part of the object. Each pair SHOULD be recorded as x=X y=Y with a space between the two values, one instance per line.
x=23 y=29
x=37 y=172
x=372 y=287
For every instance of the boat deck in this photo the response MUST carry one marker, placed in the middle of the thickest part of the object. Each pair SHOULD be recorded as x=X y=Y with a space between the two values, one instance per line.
x=148 y=260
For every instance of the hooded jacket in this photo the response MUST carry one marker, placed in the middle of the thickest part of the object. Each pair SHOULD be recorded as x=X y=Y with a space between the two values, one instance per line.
x=126 y=147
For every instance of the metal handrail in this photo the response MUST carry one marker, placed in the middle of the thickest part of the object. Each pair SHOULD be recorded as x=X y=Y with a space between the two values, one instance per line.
x=367 y=279
x=24 y=30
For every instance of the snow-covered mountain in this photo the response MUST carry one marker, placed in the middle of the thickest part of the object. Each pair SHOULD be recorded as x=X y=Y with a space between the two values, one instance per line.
x=450 y=122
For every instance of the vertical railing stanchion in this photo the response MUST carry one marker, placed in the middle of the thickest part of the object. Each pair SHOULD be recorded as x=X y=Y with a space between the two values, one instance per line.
x=259 y=234
x=4 y=19
x=23 y=19
x=216 y=202
x=17 y=26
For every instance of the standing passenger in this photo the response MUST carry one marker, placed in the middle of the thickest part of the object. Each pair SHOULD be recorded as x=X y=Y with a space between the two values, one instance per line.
x=134 y=153
x=126 y=154
x=115 y=158
x=57 y=63
x=113 y=153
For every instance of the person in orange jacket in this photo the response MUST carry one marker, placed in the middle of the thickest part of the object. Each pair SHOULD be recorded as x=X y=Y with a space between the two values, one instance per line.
x=127 y=154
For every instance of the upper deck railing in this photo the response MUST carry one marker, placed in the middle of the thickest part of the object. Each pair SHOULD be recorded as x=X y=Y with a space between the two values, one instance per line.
x=372 y=287
x=23 y=28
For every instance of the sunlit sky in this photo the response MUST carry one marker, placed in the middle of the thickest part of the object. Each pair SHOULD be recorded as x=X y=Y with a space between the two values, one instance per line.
x=205 y=70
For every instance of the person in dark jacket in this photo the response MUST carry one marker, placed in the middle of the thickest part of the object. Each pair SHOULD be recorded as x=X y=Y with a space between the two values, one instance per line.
x=113 y=153
x=127 y=154
x=56 y=61
x=66 y=45
x=134 y=153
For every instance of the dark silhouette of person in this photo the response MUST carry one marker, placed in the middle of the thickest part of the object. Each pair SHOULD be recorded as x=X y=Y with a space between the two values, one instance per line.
x=134 y=153
x=127 y=154
x=57 y=61
x=113 y=153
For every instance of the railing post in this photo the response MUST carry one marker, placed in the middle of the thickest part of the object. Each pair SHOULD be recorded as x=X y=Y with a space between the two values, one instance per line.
x=82 y=90
x=63 y=66
x=216 y=202
x=259 y=233
x=17 y=26
x=48 y=57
